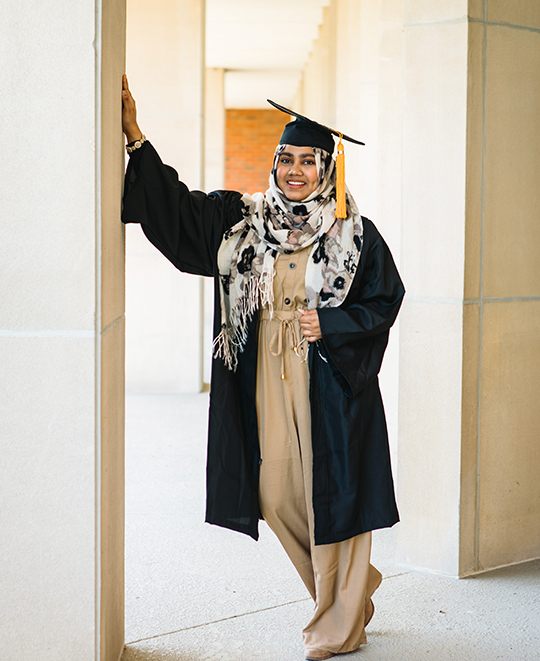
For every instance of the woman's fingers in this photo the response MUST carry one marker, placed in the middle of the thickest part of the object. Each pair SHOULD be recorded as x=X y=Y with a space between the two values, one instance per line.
x=309 y=323
x=129 y=101
x=125 y=84
x=129 y=113
x=125 y=88
x=127 y=97
x=308 y=318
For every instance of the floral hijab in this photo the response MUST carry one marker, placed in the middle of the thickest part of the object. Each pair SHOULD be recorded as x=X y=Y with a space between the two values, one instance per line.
x=272 y=224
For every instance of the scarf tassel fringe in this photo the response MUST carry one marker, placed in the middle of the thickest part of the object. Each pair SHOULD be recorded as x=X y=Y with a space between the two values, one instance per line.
x=233 y=335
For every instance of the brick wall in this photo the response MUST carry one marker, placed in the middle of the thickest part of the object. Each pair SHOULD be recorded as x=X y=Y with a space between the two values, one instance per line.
x=251 y=137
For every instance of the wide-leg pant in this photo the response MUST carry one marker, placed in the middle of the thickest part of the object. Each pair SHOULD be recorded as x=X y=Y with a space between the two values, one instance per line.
x=338 y=576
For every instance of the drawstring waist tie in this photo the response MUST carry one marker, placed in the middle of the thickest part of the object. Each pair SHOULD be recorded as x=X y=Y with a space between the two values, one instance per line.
x=287 y=335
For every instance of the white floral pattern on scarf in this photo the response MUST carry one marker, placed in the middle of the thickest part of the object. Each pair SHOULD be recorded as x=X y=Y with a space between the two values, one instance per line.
x=273 y=224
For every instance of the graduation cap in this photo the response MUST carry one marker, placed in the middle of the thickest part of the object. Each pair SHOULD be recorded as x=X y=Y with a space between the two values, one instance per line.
x=304 y=132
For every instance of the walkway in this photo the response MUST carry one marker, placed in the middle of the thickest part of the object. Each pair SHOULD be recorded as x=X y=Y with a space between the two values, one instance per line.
x=196 y=592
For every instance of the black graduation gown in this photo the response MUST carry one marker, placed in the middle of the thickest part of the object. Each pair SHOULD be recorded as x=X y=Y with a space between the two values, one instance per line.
x=353 y=490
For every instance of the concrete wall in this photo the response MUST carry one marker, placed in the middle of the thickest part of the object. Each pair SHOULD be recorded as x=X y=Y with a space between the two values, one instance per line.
x=387 y=161
x=61 y=332
x=214 y=179
x=502 y=286
x=469 y=355
x=214 y=130
x=318 y=79
x=433 y=244
x=111 y=323
x=165 y=62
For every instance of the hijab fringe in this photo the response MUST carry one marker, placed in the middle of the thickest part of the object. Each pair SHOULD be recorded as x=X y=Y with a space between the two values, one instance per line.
x=233 y=335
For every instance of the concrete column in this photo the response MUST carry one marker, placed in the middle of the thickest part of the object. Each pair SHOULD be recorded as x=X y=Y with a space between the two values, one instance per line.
x=340 y=88
x=357 y=95
x=214 y=130
x=61 y=332
x=214 y=179
x=390 y=121
x=298 y=100
x=165 y=60
x=110 y=293
x=470 y=364
x=434 y=179
x=502 y=290
x=319 y=76
x=387 y=157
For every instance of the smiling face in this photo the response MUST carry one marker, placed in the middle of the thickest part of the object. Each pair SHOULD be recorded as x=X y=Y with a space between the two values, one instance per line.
x=296 y=172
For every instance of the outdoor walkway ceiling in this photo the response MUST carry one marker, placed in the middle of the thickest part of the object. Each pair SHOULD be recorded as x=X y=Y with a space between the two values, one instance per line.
x=263 y=46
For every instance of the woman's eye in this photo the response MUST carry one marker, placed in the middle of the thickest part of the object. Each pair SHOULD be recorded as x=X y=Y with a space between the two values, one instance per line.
x=309 y=162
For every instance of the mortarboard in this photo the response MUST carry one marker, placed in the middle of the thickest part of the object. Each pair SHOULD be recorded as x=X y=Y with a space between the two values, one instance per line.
x=304 y=128
x=304 y=132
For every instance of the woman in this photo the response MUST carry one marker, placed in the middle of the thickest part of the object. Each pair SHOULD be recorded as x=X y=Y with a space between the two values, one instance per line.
x=303 y=306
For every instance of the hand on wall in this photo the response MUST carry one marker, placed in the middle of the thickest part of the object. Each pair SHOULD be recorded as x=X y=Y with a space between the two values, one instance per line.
x=129 y=113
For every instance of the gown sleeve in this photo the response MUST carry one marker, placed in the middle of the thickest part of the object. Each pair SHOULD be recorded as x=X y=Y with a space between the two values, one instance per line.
x=355 y=335
x=186 y=226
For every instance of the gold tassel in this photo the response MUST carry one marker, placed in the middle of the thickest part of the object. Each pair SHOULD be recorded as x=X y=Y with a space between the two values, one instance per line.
x=341 y=202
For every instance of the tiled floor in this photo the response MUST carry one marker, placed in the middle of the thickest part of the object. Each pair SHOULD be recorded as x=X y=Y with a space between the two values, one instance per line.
x=195 y=592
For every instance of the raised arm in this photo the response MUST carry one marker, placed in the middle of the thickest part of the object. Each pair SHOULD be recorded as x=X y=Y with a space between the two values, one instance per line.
x=186 y=226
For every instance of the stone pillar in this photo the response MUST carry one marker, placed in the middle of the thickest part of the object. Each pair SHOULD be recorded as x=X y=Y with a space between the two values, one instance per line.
x=61 y=332
x=470 y=363
x=110 y=251
x=502 y=290
x=165 y=60
x=319 y=76
x=389 y=121
x=357 y=95
x=388 y=183
x=214 y=130
x=214 y=179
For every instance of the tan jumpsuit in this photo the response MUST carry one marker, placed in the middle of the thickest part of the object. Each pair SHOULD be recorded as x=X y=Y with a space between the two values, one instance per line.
x=338 y=576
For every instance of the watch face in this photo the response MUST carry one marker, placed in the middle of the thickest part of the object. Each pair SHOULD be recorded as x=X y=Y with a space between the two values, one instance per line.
x=136 y=145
